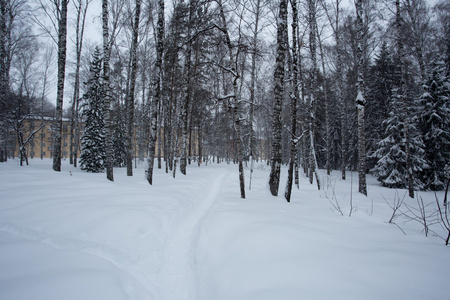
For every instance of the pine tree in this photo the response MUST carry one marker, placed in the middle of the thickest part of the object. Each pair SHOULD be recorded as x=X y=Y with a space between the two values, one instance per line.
x=435 y=121
x=92 y=158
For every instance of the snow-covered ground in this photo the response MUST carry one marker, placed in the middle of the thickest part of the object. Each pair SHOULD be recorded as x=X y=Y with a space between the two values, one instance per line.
x=74 y=235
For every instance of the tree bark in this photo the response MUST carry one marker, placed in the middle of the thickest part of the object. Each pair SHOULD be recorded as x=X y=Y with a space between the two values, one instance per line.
x=236 y=109
x=294 y=99
x=274 y=180
x=313 y=93
x=402 y=94
x=62 y=46
x=130 y=97
x=74 y=125
x=360 y=99
x=253 y=86
x=4 y=79
x=107 y=91
x=187 y=93
x=156 y=92
x=327 y=108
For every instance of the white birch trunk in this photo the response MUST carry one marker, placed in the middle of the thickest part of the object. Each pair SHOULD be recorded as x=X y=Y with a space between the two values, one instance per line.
x=274 y=180
x=107 y=91
x=360 y=99
x=156 y=92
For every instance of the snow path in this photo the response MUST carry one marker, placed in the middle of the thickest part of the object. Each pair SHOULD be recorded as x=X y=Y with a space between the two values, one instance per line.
x=178 y=269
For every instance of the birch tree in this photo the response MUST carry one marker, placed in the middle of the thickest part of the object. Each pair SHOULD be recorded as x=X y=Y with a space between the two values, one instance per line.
x=274 y=180
x=156 y=91
x=107 y=93
x=4 y=77
x=294 y=99
x=187 y=90
x=360 y=100
x=131 y=90
x=62 y=47
x=401 y=95
x=232 y=69
x=81 y=7
x=312 y=105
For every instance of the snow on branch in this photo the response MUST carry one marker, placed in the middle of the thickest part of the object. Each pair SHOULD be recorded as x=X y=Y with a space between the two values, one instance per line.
x=225 y=97
x=295 y=139
x=31 y=135
x=230 y=70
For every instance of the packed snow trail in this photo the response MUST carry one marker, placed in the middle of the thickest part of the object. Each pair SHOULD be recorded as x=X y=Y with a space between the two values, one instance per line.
x=178 y=270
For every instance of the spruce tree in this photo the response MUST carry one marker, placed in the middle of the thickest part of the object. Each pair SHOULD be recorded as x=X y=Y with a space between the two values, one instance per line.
x=435 y=121
x=391 y=167
x=119 y=138
x=92 y=158
x=380 y=86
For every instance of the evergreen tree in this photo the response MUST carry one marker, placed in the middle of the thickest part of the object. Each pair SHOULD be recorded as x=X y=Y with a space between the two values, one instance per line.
x=391 y=167
x=380 y=85
x=435 y=121
x=119 y=138
x=92 y=158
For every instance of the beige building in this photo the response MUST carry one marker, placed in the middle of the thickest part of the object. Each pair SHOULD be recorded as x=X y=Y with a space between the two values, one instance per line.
x=41 y=144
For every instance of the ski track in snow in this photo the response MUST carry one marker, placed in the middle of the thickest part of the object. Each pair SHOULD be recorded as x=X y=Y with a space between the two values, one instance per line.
x=178 y=269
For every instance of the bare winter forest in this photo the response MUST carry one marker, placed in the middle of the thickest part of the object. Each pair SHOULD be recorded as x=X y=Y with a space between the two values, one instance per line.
x=312 y=84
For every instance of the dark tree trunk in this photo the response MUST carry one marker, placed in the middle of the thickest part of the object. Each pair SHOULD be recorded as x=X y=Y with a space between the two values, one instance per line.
x=187 y=93
x=130 y=97
x=403 y=95
x=156 y=92
x=4 y=80
x=107 y=91
x=274 y=180
x=62 y=41
x=294 y=99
